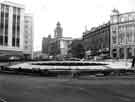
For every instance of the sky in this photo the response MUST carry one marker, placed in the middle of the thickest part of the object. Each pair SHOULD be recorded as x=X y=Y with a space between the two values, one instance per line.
x=74 y=15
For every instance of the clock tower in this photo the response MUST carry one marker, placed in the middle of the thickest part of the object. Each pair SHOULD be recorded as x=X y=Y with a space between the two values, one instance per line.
x=58 y=31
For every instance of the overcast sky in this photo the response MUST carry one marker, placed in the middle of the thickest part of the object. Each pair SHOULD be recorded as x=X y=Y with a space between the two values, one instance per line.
x=73 y=15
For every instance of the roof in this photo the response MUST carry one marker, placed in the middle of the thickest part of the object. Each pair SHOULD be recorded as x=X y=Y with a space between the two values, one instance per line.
x=66 y=38
x=12 y=4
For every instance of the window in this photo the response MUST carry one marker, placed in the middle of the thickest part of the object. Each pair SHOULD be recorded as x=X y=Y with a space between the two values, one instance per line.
x=6 y=26
x=18 y=20
x=13 y=30
x=14 y=26
x=121 y=51
x=18 y=11
x=6 y=8
x=114 y=19
x=1 y=28
x=114 y=53
x=130 y=17
x=1 y=40
x=13 y=41
x=2 y=8
x=18 y=30
x=114 y=39
x=17 y=42
x=2 y=23
x=14 y=10
x=6 y=40
x=121 y=19
x=129 y=52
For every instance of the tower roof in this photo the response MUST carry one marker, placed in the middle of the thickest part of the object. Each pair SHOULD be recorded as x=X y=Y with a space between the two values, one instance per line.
x=58 y=23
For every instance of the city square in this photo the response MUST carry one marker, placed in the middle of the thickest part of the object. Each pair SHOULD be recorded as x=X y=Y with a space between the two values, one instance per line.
x=67 y=50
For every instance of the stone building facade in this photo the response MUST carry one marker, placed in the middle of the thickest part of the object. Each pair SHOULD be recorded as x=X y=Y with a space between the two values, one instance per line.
x=46 y=43
x=28 y=36
x=11 y=30
x=122 y=34
x=97 y=40
x=57 y=45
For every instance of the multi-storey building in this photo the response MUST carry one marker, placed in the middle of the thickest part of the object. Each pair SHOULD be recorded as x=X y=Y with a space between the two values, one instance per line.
x=11 y=29
x=16 y=31
x=46 y=43
x=65 y=42
x=62 y=42
x=97 y=40
x=57 y=45
x=122 y=34
x=60 y=46
x=28 y=36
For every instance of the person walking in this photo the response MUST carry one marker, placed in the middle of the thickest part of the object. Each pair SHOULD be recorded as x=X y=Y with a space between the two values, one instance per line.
x=133 y=63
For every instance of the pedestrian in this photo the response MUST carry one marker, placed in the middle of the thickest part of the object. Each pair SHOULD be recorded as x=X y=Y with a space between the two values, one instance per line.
x=133 y=63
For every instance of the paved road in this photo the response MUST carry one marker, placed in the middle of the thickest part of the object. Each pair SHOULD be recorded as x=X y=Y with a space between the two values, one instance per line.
x=2 y=99
x=21 y=88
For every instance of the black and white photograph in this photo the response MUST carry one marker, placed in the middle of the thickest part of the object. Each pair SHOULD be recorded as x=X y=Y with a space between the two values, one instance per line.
x=67 y=50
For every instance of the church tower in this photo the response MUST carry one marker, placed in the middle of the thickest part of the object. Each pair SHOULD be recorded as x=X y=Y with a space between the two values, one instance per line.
x=58 y=31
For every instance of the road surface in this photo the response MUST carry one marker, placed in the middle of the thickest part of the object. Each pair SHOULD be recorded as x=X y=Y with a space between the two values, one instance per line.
x=19 y=88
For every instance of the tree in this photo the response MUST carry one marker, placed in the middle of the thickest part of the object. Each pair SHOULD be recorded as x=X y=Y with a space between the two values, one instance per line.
x=77 y=49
